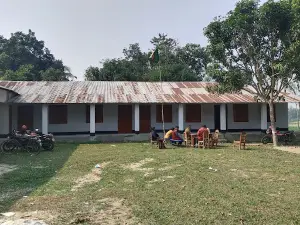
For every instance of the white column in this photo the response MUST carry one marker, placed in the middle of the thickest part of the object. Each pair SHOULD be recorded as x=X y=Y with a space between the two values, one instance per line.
x=263 y=117
x=137 y=118
x=181 y=117
x=92 y=120
x=45 y=119
x=223 y=117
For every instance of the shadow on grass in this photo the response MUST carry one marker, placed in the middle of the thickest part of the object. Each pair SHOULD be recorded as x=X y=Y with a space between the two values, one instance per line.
x=29 y=172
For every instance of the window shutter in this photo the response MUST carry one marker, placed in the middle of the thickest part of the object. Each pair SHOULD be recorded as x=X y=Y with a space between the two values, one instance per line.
x=58 y=114
x=193 y=113
x=240 y=113
x=168 y=115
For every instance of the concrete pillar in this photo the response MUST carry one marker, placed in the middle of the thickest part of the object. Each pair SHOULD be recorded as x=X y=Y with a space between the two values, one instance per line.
x=15 y=117
x=4 y=119
x=137 y=118
x=223 y=118
x=92 y=120
x=181 y=117
x=45 y=117
x=263 y=117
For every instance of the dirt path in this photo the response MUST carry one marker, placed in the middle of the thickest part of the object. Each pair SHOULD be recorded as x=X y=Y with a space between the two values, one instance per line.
x=293 y=149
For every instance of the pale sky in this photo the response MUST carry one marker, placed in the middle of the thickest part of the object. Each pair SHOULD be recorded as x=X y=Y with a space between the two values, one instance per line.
x=81 y=33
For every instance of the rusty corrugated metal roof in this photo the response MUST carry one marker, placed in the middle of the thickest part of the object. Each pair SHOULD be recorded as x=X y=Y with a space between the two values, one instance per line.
x=122 y=92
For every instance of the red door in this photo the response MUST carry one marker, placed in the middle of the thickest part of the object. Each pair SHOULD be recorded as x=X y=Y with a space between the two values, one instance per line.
x=124 y=119
x=145 y=118
x=25 y=116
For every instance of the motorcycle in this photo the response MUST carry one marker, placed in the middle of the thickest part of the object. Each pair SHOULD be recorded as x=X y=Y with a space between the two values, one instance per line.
x=286 y=137
x=16 y=141
x=46 y=139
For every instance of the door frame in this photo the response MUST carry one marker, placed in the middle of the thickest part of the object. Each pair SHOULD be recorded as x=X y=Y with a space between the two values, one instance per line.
x=145 y=105
x=131 y=119
x=29 y=126
x=217 y=117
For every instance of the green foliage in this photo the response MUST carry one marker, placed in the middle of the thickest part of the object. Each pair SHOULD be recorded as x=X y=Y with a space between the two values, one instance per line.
x=176 y=63
x=253 y=46
x=93 y=73
x=293 y=114
x=23 y=57
x=256 y=48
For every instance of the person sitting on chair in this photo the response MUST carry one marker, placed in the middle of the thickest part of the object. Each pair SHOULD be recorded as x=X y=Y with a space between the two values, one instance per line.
x=154 y=134
x=200 y=132
x=187 y=132
x=176 y=137
x=169 y=134
x=155 y=137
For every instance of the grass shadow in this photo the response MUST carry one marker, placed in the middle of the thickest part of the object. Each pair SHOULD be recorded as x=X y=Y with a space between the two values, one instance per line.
x=28 y=172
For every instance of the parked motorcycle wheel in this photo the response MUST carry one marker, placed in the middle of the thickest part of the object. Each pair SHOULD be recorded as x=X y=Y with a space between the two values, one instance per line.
x=9 y=146
x=48 y=145
x=33 y=147
x=266 y=139
x=1 y=147
x=293 y=138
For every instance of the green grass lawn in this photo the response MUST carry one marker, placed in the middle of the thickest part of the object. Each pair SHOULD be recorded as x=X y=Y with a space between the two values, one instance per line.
x=137 y=184
x=293 y=126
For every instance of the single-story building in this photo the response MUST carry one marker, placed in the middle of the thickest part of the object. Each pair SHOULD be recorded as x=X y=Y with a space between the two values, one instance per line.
x=92 y=107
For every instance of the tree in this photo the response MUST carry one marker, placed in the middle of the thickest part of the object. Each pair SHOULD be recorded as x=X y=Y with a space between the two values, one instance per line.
x=251 y=50
x=177 y=63
x=195 y=57
x=23 y=57
x=93 y=73
x=53 y=74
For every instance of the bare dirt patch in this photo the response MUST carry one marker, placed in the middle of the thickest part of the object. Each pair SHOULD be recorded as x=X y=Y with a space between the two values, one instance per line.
x=114 y=212
x=161 y=179
x=92 y=177
x=239 y=173
x=28 y=218
x=139 y=166
x=292 y=149
x=170 y=167
x=5 y=168
x=129 y=180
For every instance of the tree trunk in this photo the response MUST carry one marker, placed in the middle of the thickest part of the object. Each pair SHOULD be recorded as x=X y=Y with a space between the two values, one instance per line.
x=298 y=108
x=273 y=125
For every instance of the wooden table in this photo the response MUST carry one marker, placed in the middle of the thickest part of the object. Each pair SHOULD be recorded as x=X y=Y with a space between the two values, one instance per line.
x=193 y=139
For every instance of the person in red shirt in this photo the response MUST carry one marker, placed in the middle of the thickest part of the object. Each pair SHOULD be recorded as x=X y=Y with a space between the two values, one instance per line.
x=200 y=132
x=175 y=135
